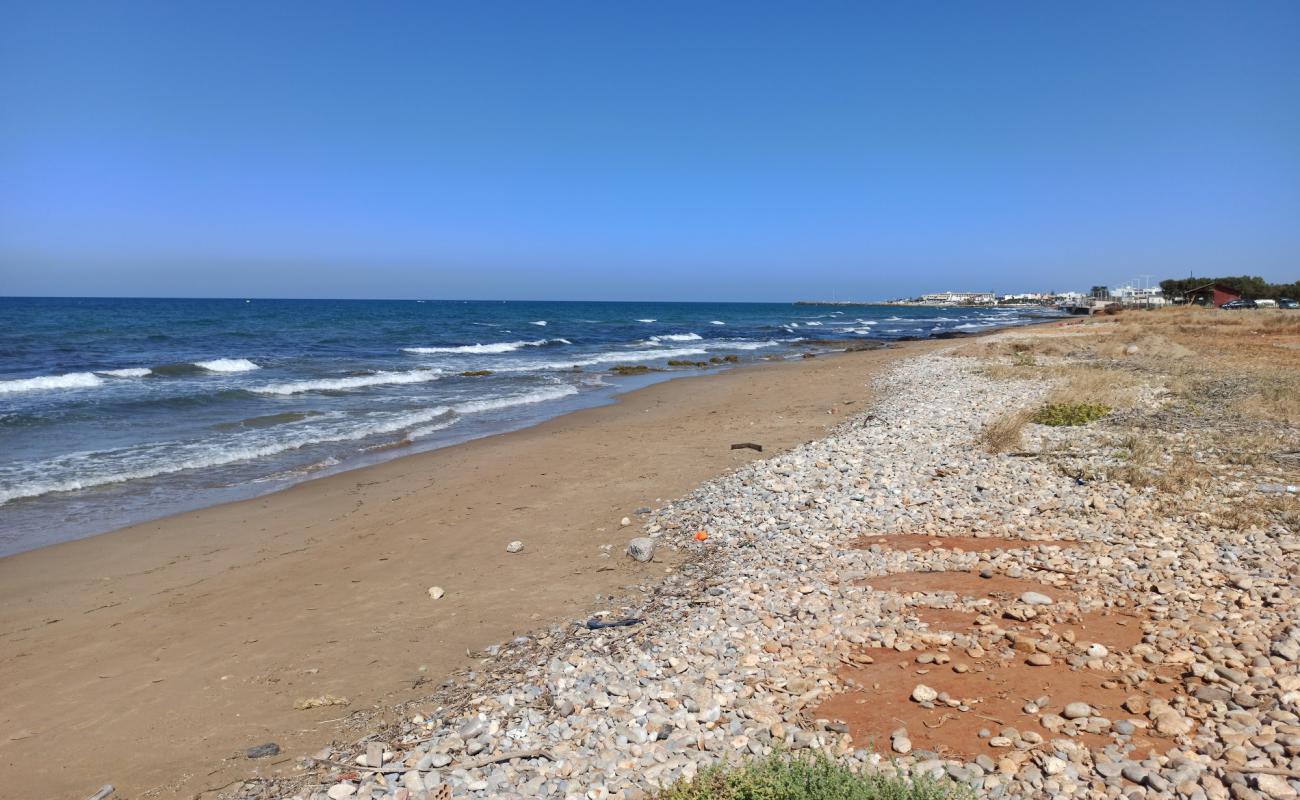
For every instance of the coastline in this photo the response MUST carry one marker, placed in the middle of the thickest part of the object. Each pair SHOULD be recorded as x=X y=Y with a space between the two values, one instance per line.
x=152 y=656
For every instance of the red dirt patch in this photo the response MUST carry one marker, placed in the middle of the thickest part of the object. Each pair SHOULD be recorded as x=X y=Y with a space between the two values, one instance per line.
x=965 y=584
x=967 y=544
x=998 y=689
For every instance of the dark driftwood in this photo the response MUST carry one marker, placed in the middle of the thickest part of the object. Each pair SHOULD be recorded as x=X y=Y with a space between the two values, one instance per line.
x=750 y=445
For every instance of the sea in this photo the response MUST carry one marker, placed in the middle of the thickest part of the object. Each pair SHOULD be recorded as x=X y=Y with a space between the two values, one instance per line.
x=117 y=411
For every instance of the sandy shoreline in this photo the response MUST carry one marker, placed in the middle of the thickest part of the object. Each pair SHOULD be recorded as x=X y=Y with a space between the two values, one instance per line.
x=153 y=656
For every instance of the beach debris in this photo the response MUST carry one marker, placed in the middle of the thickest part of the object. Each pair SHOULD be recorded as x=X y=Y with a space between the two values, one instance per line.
x=263 y=750
x=595 y=624
x=436 y=592
x=701 y=535
x=625 y=521
x=641 y=548
x=103 y=793
x=318 y=702
x=747 y=446
x=514 y=547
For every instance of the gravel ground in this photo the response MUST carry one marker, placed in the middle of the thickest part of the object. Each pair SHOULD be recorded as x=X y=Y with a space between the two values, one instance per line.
x=782 y=610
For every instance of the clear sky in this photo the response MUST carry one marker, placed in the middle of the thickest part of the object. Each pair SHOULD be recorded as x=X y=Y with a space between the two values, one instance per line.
x=615 y=149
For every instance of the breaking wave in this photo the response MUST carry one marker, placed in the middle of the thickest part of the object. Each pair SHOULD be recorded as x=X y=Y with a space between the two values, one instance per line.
x=484 y=349
x=70 y=380
x=227 y=365
x=351 y=382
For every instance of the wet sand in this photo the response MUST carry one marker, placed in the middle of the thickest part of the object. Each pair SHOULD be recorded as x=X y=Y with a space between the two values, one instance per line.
x=153 y=656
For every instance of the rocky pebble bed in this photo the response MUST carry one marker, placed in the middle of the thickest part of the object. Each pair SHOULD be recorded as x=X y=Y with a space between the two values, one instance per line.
x=778 y=618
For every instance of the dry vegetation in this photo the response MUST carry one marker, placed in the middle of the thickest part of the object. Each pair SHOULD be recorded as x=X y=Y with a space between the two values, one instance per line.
x=1205 y=402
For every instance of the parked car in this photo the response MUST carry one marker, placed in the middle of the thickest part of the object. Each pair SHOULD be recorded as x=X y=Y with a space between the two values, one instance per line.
x=1287 y=302
x=1233 y=305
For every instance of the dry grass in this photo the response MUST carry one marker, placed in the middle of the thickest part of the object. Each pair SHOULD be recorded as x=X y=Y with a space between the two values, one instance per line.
x=1005 y=432
x=1095 y=384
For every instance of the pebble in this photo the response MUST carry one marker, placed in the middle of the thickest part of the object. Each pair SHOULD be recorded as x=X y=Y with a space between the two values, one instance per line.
x=515 y=547
x=436 y=592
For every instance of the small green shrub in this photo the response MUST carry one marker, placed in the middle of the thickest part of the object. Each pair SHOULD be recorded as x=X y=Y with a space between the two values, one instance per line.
x=786 y=777
x=1057 y=414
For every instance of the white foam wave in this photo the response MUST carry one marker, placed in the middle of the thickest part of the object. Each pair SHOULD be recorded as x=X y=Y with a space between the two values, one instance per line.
x=227 y=365
x=541 y=322
x=129 y=372
x=351 y=382
x=812 y=323
x=102 y=468
x=741 y=344
x=609 y=358
x=426 y=430
x=677 y=337
x=483 y=349
x=647 y=320
x=717 y=322
x=70 y=380
x=509 y=401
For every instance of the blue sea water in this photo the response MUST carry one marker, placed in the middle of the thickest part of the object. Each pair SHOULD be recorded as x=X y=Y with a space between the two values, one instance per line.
x=114 y=411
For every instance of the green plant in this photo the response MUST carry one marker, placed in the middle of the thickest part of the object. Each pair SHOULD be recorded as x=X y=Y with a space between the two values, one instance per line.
x=1057 y=414
x=787 y=777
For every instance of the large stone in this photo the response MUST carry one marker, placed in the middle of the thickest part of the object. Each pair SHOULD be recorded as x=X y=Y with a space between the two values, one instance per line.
x=641 y=548
x=924 y=694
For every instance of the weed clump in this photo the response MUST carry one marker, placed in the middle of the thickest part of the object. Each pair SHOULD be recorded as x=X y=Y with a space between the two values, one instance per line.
x=1058 y=414
x=680 y=362
x=784 y=777
x=1004 y=433
x=476 y=373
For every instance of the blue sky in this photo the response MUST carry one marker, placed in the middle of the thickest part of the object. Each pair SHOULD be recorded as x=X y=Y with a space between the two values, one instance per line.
x=657 y=150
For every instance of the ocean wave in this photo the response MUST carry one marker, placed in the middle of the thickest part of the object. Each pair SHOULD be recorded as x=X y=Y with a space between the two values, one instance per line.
x=609 y=358
x=129 y=372
x=509 y=401
x=676 y=337
x=540 y=322
x=94 y=468
x=227 y=365
x=427 y=430
x=741 y=344
x=717 y=322
x=811 y=322
x=484 y=349
x=647 y=321
x=70 y=380
x=351 y=382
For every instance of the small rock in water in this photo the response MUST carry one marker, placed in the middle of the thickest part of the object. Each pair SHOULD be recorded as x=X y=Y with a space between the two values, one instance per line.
x=436 y=592
x=263 y=750
x=642 y=548
x=515 y=546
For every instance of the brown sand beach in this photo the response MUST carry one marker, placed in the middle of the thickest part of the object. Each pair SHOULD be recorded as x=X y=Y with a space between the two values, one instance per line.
x=154 y=656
